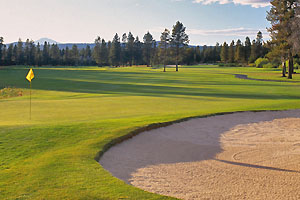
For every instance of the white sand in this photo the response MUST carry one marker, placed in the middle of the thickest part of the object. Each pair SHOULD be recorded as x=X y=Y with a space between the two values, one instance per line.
x=235 y=156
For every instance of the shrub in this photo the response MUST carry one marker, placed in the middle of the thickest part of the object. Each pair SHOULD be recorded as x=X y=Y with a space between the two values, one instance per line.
x=10 y=92
x=296 y=66
x=260 y=62
x=269 y=65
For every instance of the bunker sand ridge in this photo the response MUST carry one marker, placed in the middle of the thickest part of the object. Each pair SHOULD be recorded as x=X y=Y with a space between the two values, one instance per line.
x=252 y=155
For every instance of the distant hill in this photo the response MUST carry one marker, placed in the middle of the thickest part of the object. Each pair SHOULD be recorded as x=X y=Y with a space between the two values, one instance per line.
x=70 y=45
x=43 y=40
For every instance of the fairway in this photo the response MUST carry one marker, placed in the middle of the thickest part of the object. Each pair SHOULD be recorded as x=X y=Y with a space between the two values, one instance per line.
x=77 y=111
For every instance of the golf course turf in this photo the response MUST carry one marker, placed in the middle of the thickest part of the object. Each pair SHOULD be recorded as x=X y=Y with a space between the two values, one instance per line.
x=77 y=111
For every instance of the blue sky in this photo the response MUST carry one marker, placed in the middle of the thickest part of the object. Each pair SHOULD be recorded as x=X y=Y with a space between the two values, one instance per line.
x=207 y=21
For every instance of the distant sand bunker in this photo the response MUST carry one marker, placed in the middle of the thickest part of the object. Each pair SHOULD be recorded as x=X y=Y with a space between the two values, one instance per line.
x=235 y=156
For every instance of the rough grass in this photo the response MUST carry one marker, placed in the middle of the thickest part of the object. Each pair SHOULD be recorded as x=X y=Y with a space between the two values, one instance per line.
x=9 y=92
x=76 y=112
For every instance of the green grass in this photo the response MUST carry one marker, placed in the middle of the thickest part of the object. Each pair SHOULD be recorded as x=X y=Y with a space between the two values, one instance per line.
x=77 y=111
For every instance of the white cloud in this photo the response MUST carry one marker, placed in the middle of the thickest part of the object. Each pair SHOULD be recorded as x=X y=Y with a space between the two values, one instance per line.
x=253 y=3
x=228 y=32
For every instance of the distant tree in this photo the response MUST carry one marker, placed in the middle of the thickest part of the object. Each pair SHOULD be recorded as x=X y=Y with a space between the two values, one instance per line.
x=87 y=55
x=148 y=48
x=9 y=55
x=38 y=55
x=115 y=51
x=247 y=49
x=54 y=55
x=20 y=55
x=163 y=45
x=130 y=48
x=1 y=49
x=97 y=51
x=239 y=52
x=124 y=50
x=138 y=49
x=4 y=52
x=231 y=52
x=224 y=53
x=198 y=54
x=74 y=55
x=179 y=39
x=104 y=52
x=46 y=56
x=67 y=57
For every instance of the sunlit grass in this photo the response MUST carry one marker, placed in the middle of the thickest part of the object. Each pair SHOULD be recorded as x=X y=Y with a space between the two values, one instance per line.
x=76 y=111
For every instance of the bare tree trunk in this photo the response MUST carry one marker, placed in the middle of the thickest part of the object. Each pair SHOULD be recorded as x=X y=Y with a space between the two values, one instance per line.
x=291 y=65
x=283 y=68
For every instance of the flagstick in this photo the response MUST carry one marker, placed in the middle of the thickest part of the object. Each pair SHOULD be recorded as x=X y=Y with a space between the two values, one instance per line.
x=30 y=103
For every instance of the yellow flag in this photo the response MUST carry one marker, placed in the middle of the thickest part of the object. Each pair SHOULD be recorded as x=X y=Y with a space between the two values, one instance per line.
x=30 y=75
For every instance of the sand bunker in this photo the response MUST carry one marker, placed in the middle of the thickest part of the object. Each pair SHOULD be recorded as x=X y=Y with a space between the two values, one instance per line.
x=235 y=156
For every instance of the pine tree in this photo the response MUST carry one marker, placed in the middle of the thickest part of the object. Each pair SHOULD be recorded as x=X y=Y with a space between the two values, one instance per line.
x=231 y=52
x=74 y=55
x=124 y=50
x=148 y=48
x=20 y=53
x=138 y=49
x=163 y=45
x=46 y=57
x=115 y=51
x=97 y=52
x=179 y=39
x=130 y=48
x=281 y=17
x=247 y=49
x=54 y=55
x=1 y=49
x=239 y=52
x=224 y=53
x=38 y=56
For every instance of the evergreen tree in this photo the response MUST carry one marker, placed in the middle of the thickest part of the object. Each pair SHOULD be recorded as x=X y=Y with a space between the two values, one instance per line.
x=9 y=55
x=115 y=51
x=74 y=55
x=124 y=50
x=38 y=55
x=198 y=55
x=20 y=56
x=97 y=52
x=247 y=49
x=67 y=57
x=148 y=48
x=224 y=53
x=54 y=55
x=179 y=39
x=130 y=48
x=163 y=46
x=46 y=57
x=281 y=17
x=239 y=52
x=88 y=56
x=1 y=49
x=231 y=52
x=253 y=54
x=138 y=49
x=105 y=48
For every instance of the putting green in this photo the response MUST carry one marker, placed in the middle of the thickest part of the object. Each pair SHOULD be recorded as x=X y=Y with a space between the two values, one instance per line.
x=77 y=111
